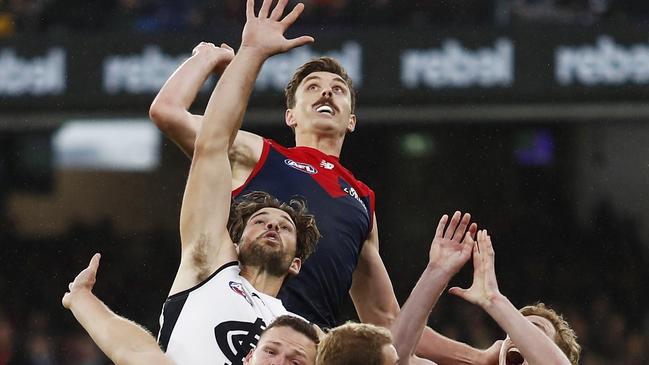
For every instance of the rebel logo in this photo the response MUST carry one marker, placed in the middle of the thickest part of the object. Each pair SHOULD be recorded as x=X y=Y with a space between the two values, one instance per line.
x=304 y=167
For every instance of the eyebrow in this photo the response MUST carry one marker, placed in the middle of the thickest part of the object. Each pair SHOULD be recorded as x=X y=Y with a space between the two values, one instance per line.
x=315 y=77
x=298 y=352
x=285 y=217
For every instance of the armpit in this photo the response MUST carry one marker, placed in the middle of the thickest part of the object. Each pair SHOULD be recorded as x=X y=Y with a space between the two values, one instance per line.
x=200 y=258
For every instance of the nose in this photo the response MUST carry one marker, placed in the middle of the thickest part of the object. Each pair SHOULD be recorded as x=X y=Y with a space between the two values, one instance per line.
x=327 y=92
x=272 y=225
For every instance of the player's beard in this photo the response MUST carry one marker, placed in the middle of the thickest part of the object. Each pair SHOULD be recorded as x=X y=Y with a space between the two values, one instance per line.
x=275 y=262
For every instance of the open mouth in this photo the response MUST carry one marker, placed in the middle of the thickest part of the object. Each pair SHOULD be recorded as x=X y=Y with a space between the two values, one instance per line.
x=514 y=357
x=325 y=109
x=271 y=235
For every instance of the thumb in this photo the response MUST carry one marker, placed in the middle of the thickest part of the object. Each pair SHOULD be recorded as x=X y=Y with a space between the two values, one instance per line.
x=300 y=41
x=94 y=262
x=493 y=352
x=65 y=301
x=457 y=291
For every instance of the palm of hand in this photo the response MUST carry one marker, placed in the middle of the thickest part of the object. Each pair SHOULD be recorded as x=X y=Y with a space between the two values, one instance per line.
x=484 y=287
x=265 y=31
x=450 y=252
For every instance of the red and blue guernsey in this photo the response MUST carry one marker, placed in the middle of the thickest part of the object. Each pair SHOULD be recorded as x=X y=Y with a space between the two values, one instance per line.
x=343 y=208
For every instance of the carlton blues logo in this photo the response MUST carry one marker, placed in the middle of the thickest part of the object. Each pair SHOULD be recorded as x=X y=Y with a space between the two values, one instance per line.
x=304 y=167
x=235 y=339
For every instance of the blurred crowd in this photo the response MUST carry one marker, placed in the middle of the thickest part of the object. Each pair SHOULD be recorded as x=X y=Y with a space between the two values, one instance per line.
x=596 y=282
x=146 y=16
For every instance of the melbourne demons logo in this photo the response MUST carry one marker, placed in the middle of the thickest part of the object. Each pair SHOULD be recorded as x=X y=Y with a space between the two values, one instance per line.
x=304 y=167
x=238 y=288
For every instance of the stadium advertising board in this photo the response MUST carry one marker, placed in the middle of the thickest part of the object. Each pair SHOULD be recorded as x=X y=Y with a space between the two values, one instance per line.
x=394 y=66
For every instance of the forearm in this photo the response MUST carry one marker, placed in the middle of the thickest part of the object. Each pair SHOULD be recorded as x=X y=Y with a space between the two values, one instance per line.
x=445 y=351
x=412 y=319
x=536 y=347
x=119 y=338
x=181 y=89
x=229 y=100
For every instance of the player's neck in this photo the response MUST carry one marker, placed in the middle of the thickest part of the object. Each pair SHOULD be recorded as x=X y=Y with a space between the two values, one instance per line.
x=262 y=280
x=327 y=144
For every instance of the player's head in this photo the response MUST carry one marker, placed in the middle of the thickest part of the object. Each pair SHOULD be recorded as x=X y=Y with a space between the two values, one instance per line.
x=357 y=344
x=272 y=235
x=320 y=96
x=288 y=340
x=553 y=325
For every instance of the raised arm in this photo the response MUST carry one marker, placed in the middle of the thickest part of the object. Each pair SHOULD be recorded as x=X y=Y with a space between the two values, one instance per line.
x=450 y=250
x=371 y=290
x=446 y=351
x=123 y=341
x=205 y=241
x=375 y=302
x=535 y=345
x=170 y=108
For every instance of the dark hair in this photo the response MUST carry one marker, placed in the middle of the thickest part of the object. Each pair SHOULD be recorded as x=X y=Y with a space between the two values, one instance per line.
x=325 y=64
x=306 y=230
x=298 y=324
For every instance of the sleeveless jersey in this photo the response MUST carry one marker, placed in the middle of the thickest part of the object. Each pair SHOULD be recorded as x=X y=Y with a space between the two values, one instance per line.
x=343 y=208
x=216 y=322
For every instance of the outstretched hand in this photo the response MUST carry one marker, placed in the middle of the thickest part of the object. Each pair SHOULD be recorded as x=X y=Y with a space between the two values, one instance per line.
x=452 y=245
x=265 y=31
x=83 y=282
x=485 y=286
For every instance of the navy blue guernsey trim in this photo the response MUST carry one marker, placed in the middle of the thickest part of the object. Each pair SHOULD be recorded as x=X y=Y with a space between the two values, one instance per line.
x=187 y=291
x=174 y=305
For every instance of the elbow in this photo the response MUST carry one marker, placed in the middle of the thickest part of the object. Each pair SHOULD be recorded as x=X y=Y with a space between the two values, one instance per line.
x=161 y=113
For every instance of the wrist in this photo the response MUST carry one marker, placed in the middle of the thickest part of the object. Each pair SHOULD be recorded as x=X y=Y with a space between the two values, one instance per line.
x=439 y=269
x=257 y=52
x=493 y=301
x=78 y=296
x=207 y=60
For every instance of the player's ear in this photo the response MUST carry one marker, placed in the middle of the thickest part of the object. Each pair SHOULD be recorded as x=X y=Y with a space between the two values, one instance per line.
x=295 y=267
x=352 y=123
x=289 y=118
x=248 y=357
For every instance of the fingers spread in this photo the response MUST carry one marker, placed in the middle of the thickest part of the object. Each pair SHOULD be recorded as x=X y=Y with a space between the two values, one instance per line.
x=279 y=10
x=250 y=9
x=459 y=232
x=291 y=17
x=473 y=229
x=265 y=7
x=450 y=230
x=439 y=232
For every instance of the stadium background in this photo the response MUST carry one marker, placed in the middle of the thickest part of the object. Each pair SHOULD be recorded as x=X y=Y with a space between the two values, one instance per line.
x=529 y=114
